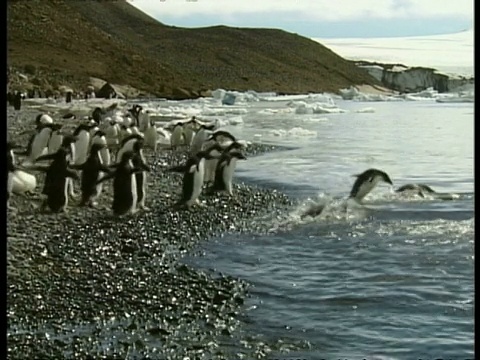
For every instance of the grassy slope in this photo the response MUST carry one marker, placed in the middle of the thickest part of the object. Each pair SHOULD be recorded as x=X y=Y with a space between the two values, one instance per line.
x=114 y=41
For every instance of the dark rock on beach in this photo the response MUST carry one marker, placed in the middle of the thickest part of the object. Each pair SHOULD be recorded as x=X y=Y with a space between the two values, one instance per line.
x=88 y=285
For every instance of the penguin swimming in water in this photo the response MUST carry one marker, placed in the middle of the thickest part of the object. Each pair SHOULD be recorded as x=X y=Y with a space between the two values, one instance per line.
x=417 y=189
x=200 y=137
x=423 y=191
x=124 y=185
x=366 y=181
x=56 y=184
x=138 y=162
x=224 y=171
x=92 y=172
x=193 y=179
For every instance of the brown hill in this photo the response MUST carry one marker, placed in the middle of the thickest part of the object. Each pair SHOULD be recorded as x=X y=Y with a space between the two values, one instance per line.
x=66 y=42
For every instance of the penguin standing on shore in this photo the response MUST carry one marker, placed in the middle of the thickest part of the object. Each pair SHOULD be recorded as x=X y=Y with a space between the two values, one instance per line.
x=138 y=162
x=82 y=133
x=56 y=184
x=127 y=144
x=56 y=139
x=224 y=171
x=151 y=135
x=366 y=182
x=211 y=164
x=189 y=130
x=193 y=179
x=200 y=137
x=38 y=144
x=92 y=171
x=112 y=133
x=124 y=185
x=177 y=137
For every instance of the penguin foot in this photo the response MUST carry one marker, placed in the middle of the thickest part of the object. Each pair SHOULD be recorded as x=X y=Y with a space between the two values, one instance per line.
x=134 y=211
x=143 y=207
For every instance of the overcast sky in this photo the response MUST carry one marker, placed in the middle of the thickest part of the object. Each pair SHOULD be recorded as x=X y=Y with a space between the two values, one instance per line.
x=319 y=18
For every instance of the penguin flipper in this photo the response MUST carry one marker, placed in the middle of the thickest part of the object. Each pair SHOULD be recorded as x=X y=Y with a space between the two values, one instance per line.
x=45 y=157
x=105 y=178
x=179 y=169
x=72 y=174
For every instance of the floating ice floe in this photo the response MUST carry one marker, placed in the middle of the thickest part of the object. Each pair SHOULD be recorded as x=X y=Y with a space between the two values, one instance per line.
x=301 y=107
x=230 y=98
x=365 y=110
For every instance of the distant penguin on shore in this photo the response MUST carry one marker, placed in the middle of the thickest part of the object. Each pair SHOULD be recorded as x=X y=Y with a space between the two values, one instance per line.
x=192 y=183
x=366 y=182
x=224 y=171
x=151 y=135
x=189 y=130
x=211 y=164
x=112 y=133
x=17 y=101
x=92 y=171
x=124 y=185
x=138 y=162
x=56 y=184
x=177 y=137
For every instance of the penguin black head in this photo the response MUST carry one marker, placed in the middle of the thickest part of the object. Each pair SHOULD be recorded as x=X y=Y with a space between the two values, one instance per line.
x=69 y=116
x=99 y=133
x=68 y=139
x=96 y=147
x=371 y=174
x=238 y=155
x=126 y=156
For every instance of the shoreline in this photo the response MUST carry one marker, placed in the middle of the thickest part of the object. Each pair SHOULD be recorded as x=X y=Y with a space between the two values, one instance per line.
x=76 y=279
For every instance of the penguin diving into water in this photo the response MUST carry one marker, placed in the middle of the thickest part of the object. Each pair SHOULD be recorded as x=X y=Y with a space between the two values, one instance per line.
x=224 y=172
x=366 y=182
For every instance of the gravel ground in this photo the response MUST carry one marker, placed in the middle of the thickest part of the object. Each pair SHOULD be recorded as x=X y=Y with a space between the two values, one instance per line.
x=87 y=285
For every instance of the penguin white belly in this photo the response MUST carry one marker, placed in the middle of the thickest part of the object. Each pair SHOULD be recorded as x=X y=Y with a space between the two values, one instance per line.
x=188 y=133
x=133 y=207
x=210 y=166
x=39 y=144
x=10 y=182
x=128 y=146
x=198 y=177
x=81 y=147
x=197 y=141
x=144 y=120
x=55 y=142
x=105 y=156
x=228 y=175
x=22 y=182
x=151 y=136
x=176 y=138
x=366 y=188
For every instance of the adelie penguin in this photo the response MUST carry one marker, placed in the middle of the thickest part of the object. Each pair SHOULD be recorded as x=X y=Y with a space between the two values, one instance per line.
x=366 y=182
x=82 y=133
x=124 y=185
x=138 y=162
x=423 y=191
x=218 y=149
x=193 y=179
x=224 y=172
x=92 y=171
x=127 y=144
x=200 y=137
x=38 y=143
x=56 y=184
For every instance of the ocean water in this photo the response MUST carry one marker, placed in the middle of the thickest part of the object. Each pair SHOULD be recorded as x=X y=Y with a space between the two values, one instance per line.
x=393 y=279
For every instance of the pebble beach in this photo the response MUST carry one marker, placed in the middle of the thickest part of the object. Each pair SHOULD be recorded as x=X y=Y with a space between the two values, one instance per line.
x=84 y=284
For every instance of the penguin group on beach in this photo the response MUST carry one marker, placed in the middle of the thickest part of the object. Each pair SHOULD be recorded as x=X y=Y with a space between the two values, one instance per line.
x=108 y=145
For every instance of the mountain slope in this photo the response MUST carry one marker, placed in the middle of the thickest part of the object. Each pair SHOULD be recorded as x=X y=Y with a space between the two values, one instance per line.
x=115 y=41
